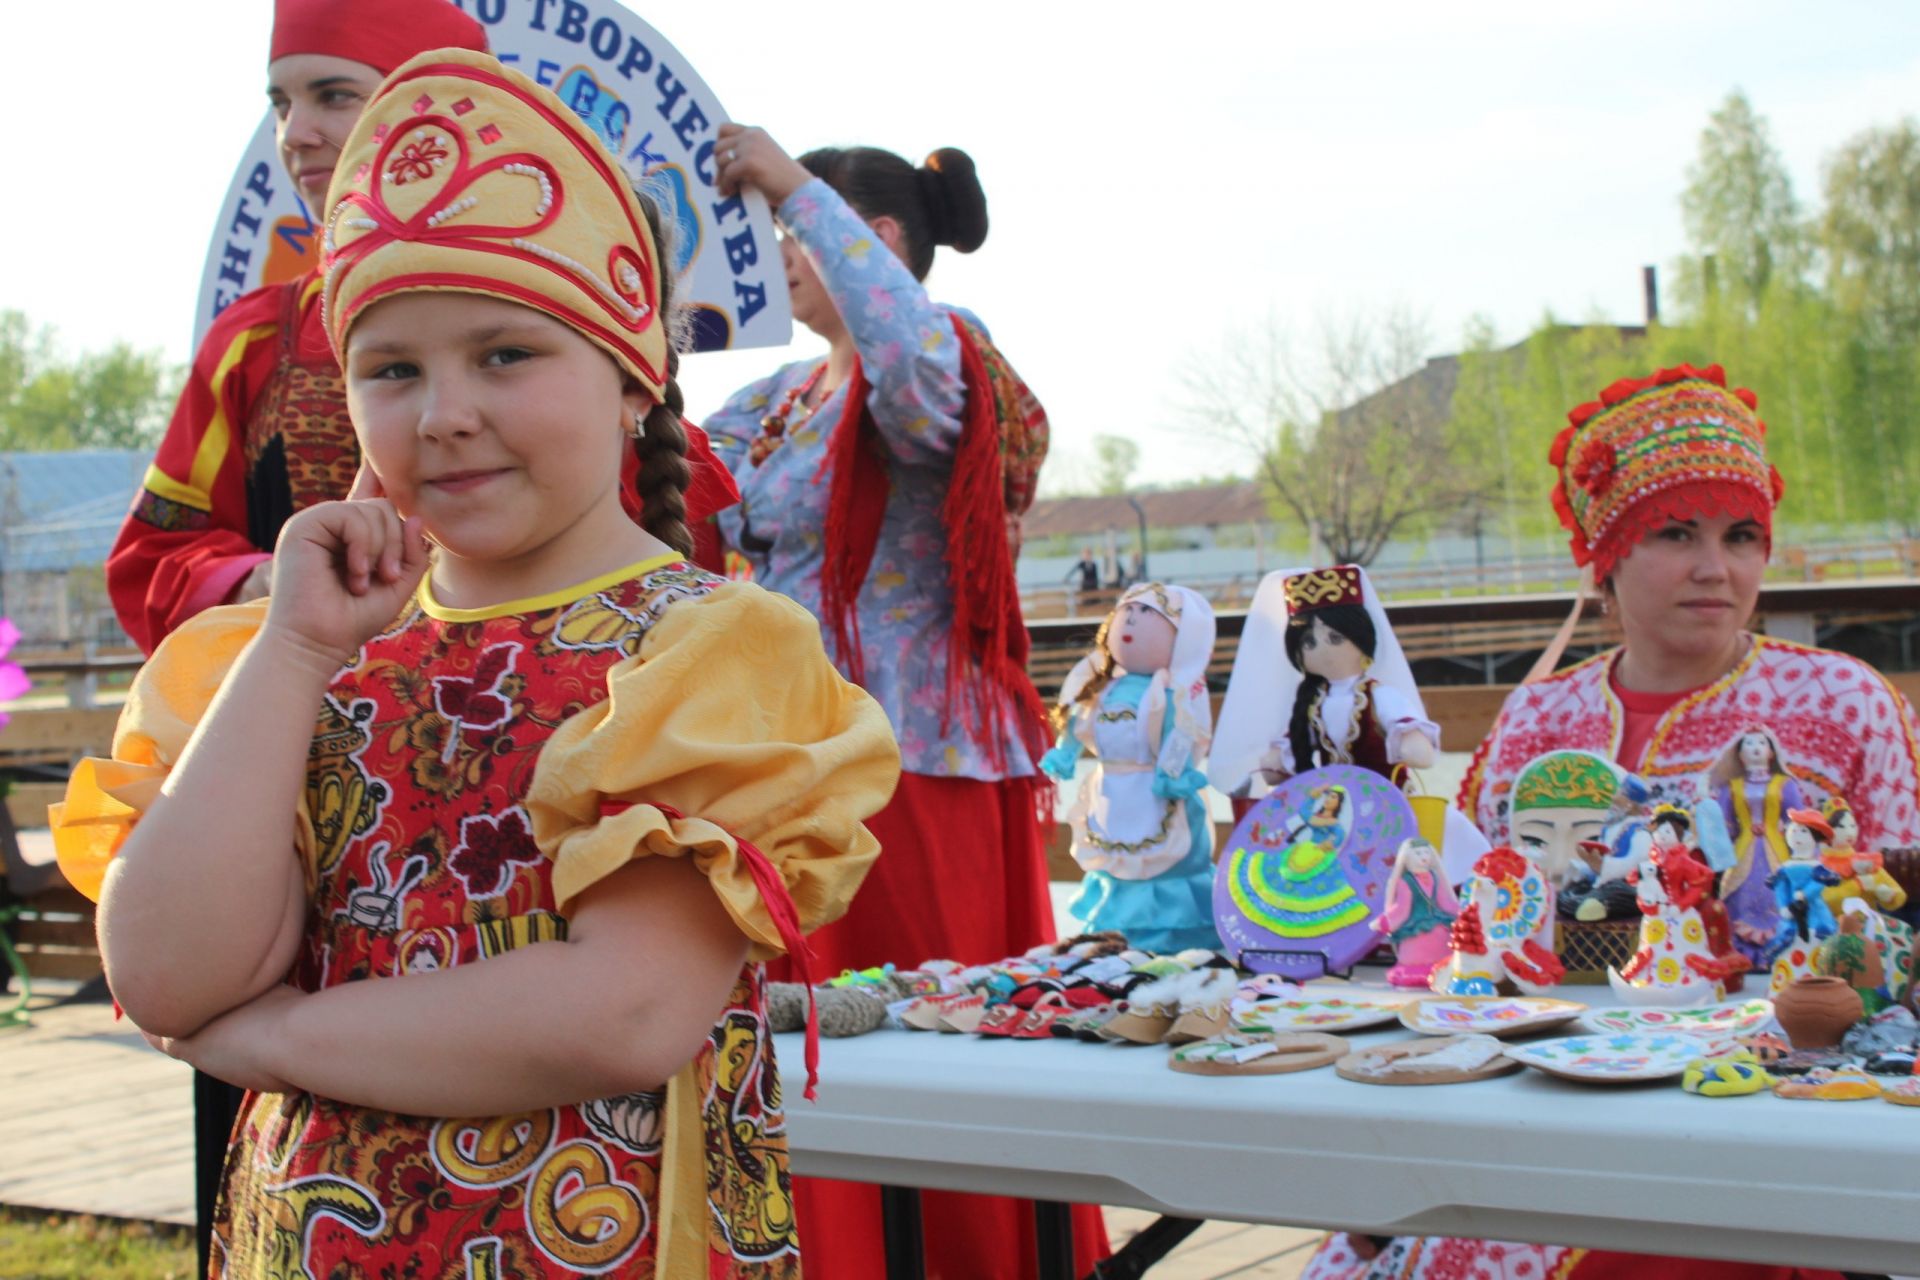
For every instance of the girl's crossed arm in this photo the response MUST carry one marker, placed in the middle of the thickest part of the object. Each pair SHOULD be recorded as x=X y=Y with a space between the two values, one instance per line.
x=618 y=1007
x=202 y=909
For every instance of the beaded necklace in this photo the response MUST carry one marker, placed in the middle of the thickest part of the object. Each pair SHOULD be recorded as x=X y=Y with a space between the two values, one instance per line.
x=773 y=427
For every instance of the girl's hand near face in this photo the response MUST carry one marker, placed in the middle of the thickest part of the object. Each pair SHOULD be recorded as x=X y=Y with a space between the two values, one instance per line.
x=341 y=572
x=746 y=156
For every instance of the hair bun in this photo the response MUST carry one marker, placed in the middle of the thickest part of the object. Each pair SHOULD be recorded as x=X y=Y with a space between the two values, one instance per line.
x=956 y=205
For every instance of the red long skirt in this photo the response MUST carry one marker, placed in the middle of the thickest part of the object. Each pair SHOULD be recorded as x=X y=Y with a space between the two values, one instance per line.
x=962 y=875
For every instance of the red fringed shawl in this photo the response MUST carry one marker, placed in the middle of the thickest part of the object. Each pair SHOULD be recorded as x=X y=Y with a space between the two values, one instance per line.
x=1003 y=438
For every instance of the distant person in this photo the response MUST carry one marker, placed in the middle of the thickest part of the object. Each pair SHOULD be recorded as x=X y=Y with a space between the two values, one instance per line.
x=876 y=486
x=1087 y=570
x=261 y=429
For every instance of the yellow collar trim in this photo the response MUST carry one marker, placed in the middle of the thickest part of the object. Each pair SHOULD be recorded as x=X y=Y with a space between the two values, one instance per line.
x=534 y=604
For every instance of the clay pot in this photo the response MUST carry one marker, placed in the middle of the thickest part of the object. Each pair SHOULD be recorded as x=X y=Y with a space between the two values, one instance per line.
x=1816 y=1012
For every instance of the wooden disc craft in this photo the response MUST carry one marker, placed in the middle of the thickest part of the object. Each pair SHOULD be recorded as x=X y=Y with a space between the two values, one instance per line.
x=1306 y=870
x=1236 y=1054
x=1452 y=1059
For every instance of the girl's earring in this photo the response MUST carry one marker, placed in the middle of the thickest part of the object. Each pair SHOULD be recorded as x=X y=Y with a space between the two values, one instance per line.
x=639 y=431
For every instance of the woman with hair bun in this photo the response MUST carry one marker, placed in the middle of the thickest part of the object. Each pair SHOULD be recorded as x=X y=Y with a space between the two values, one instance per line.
x=881 y=488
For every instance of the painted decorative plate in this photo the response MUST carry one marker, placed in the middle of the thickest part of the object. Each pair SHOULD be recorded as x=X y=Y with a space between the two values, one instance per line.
x=1332 y=1013
x=1306 y=870
x=1617 y=1059
x=1487 y=1015
x=1715 y=1020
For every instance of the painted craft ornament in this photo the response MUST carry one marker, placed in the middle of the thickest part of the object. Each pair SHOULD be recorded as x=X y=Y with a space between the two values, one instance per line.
x=1862 y=873
x=1617 y=1059
x=1504 y=935
x=1685 y=955
x=1306 y=871
x=1487 y=1015
x=1418 y=914
x=1755 y=792
x=1138 y=705
x=1308 y=1013
x=1715 y=1021
x=1799 y=885
x=1736 y=1075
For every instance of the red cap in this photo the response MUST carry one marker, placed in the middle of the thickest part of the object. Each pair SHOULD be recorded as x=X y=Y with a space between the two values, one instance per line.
x=381 y=33
x=1812 y=821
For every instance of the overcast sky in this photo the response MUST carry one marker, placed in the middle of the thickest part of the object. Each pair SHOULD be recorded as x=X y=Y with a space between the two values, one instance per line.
x=1153 y=186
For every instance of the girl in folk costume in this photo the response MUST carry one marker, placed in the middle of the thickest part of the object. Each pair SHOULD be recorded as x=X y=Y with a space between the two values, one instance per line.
x=261 y=430
x=540 y=846
x=1663 y=485
x=1319 y=679
x=1756 y=793
x=1138 y=704
x=879 y=489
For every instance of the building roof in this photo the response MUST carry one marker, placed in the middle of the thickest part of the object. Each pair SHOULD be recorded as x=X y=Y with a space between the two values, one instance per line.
x=62 y=511
x=1204 y=506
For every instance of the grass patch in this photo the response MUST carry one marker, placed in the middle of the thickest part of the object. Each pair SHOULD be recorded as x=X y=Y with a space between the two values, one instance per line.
x=36 y=1245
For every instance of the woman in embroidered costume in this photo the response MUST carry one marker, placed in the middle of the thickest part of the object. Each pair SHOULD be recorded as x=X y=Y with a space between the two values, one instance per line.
x=540 y=854
x=261 y=430
x=881 y=488
x=1138 y=704
x=1663 y=485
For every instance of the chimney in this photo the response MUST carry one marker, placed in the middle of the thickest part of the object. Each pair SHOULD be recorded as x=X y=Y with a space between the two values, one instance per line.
x=1650 y=283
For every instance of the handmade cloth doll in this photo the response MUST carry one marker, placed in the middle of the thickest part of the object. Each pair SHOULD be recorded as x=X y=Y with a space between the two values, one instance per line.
x=1863 y=872
x=1319 y=679
x=1755 y=791
x=1138 y=704
x=1418 y=914
x=1685 y=955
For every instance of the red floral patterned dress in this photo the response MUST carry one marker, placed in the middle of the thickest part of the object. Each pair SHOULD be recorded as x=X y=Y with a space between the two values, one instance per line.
x=422 y=856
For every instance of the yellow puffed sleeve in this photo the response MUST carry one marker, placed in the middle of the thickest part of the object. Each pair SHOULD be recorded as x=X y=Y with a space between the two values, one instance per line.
x=729 y=725
x=106 y=796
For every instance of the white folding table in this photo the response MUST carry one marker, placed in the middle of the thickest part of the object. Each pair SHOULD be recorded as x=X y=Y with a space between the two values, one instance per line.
x=1645 y=1168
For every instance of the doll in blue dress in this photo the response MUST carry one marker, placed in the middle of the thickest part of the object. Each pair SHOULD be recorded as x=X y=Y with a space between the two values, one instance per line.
x=1141 y=831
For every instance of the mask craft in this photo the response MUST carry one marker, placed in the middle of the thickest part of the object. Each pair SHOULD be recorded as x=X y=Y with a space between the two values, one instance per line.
x=1138 y=705
x=1577 y=814
x=1307 y=869
x=1686 y=954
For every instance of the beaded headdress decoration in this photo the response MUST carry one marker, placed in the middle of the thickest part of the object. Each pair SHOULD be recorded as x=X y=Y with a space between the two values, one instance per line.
x=1323 y=588
x=1675 y=445
x=464 y=175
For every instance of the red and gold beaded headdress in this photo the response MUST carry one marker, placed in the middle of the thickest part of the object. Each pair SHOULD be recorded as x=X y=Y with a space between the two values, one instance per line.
x=1323 y=588
x=1671 y=446
x=464 y=175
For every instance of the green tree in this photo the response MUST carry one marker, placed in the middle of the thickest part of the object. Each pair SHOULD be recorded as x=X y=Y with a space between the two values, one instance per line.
x=1740 y=209
x=114 y=399
x=1352 y=434
x=1115 y=458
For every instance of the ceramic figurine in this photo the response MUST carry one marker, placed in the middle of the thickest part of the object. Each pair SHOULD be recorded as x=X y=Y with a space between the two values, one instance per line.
x=1138 y=705
x=1504 y=933
x=1798 y=883
x=1863 y=873
x=1418 y=915
x=1756 y=793
x=1685 y=956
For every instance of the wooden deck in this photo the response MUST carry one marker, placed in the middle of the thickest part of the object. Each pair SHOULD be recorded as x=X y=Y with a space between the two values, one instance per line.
x=92 y=1120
